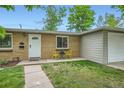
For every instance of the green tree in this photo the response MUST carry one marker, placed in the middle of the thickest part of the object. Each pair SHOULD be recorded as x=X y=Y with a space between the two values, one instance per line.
x=12 y=8
x=119 y=8
x=2 y=32
x=53 y=18
x=100 y=21
x=8 y=7
x=81 y=18
x=110 y=20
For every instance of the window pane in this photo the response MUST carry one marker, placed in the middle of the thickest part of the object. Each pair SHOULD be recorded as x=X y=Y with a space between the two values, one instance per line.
x=35 y=38
x=65 y=42
x=59 y=42
x=6 y=42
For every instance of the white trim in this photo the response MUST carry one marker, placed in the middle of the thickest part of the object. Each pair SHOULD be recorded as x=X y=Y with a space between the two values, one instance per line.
x=11 y=42
x=67 y=42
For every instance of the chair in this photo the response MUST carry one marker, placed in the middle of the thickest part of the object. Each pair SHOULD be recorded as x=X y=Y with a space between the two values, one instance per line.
x=55 y=55
x=68 y=54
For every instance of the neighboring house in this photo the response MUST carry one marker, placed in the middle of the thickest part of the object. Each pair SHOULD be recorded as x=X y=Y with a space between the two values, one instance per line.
x=102 y=45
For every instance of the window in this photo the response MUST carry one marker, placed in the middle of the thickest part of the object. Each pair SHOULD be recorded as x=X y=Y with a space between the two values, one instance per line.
x=6 y=42
x=62 y=42
x=34 y=38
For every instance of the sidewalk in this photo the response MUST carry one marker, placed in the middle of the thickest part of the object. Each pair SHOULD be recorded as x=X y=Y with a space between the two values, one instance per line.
x=26 y=62
x=36 y=78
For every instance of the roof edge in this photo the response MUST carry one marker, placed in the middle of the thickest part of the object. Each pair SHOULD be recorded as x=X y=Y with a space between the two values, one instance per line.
x=41 y=31
x=112 y=29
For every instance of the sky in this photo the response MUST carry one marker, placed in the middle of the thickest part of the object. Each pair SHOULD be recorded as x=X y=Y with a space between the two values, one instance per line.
x=30 y=20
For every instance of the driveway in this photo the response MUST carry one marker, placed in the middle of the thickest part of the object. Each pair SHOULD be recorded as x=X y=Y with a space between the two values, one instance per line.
x=117 y=65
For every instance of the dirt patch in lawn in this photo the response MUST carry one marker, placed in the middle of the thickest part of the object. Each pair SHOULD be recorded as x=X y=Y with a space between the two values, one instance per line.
x=9 y=64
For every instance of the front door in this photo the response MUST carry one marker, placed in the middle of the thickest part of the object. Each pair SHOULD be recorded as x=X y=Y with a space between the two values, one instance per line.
x=34 y=46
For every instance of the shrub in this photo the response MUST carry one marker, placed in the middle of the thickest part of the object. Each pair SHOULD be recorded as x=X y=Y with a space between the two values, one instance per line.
x=3 y=62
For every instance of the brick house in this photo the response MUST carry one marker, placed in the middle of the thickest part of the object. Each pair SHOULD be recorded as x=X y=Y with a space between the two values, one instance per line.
x=103 y=45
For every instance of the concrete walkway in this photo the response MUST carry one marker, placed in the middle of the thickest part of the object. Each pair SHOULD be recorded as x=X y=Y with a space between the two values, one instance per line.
x=36 y=78
x=27 y=62
x=117 y=65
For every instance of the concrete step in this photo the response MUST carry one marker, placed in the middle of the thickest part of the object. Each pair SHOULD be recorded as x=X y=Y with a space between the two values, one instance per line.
x=34 y=58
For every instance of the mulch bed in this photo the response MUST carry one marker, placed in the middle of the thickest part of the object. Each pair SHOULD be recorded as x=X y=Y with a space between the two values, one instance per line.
x=9 y=64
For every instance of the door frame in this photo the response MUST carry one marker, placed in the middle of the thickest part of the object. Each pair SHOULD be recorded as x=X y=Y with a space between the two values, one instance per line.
x=29 y=45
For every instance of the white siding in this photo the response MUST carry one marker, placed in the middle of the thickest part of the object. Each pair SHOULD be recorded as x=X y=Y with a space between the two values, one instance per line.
x=115 y=47
x=92 y=46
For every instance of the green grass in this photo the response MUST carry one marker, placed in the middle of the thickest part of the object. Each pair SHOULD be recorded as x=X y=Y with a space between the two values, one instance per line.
x=83 y=74
x=12 y=77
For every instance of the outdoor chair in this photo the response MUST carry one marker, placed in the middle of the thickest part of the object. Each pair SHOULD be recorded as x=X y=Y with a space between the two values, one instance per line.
x=55 y=55
x=68 y=54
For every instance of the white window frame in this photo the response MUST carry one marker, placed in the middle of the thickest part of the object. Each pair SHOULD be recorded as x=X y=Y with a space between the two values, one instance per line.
x=67 y=42
x=11 y=42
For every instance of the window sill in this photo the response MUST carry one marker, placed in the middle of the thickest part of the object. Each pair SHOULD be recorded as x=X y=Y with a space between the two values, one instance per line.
x=6 y=50
x=62 y=48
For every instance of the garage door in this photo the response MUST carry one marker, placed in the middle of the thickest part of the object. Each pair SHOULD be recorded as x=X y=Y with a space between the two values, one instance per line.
x=115 y=47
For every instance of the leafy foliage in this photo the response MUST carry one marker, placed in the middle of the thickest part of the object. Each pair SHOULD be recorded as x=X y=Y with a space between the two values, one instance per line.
x=119 y=8
x=110 y=20
x=80 y=18
x=54 y=17
x=2 y=32
x=8 y=7
x=12 y=8
x=31 y=7
x=3 y=62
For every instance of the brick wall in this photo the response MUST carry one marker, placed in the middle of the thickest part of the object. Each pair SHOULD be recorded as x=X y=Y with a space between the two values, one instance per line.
x=48 y=46
x=16 y=51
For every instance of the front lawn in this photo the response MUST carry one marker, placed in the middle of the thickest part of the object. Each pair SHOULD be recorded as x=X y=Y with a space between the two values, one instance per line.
x=83 y=74
x=12 y=77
